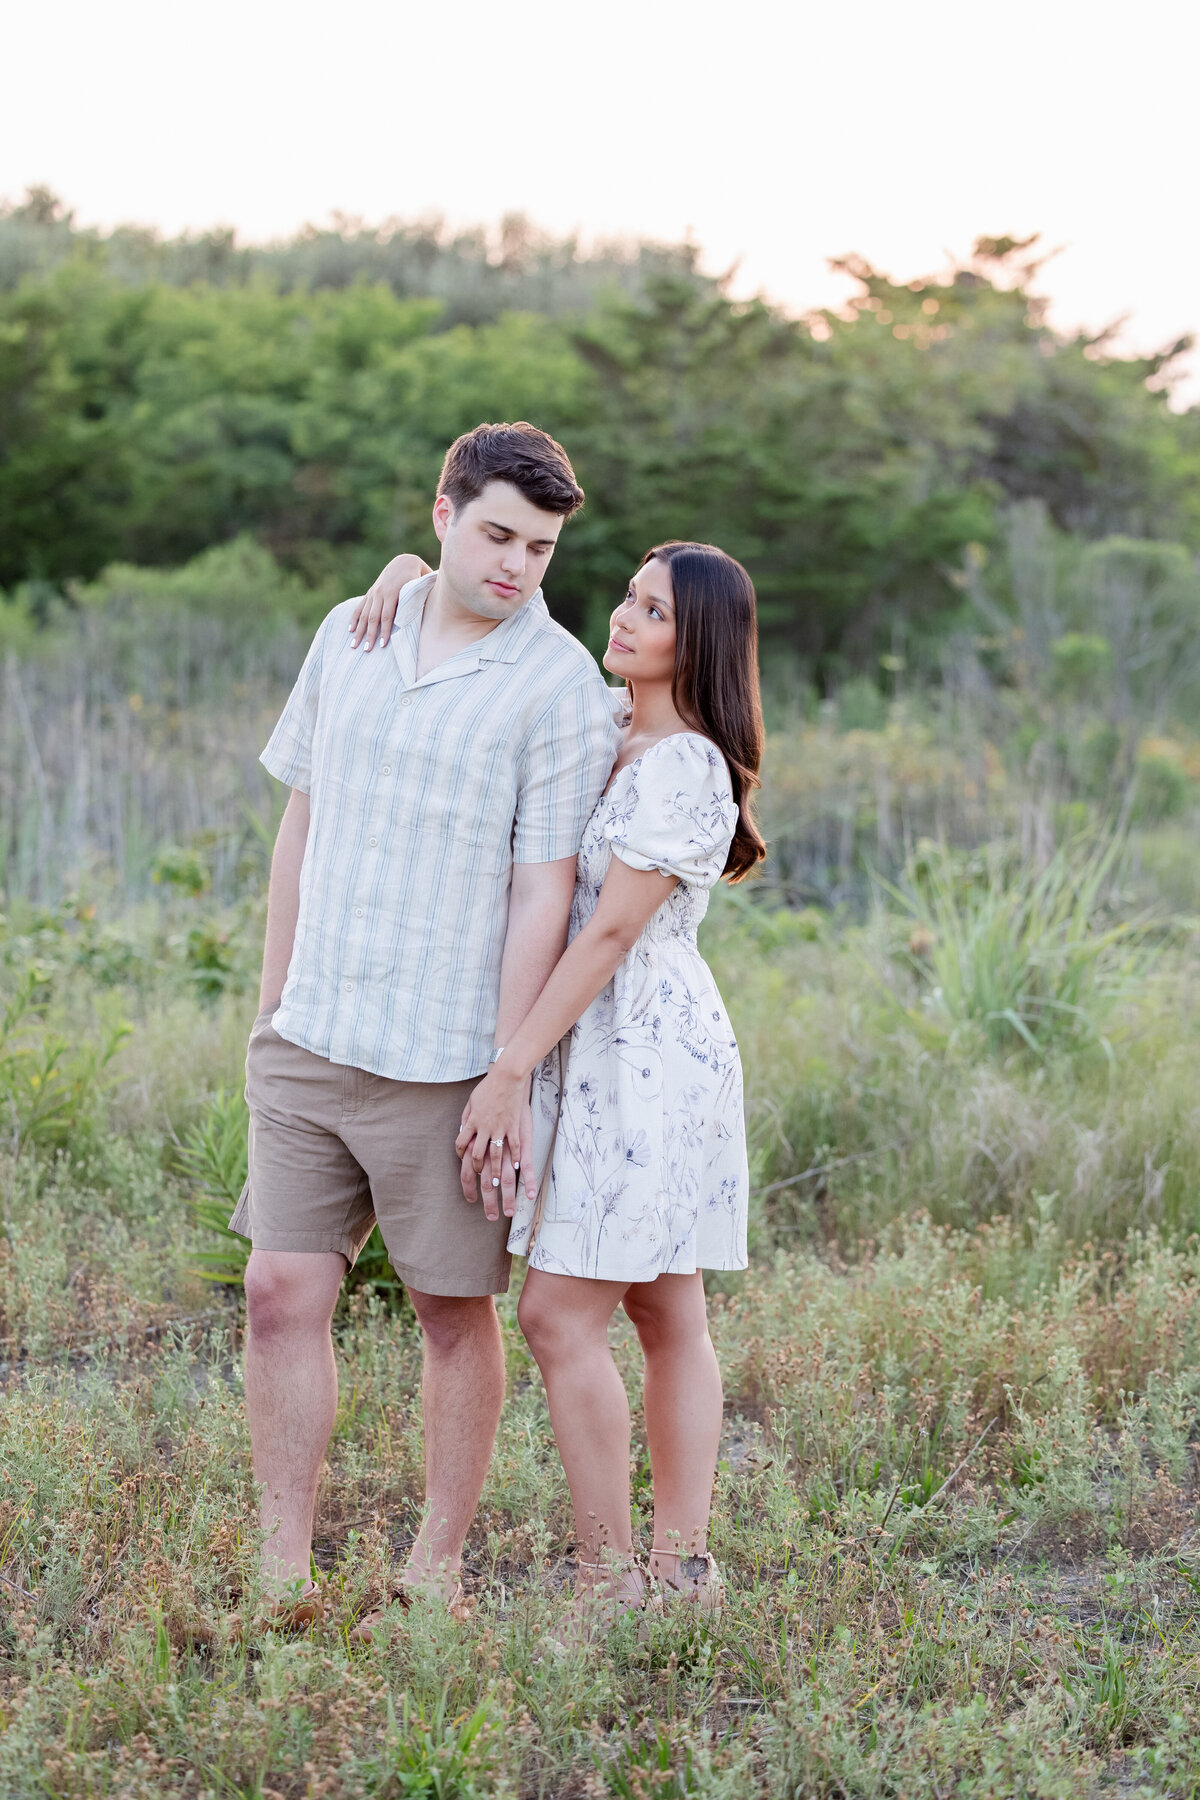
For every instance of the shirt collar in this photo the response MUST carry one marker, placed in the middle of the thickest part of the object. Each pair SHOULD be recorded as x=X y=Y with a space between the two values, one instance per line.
x=502 y=645
x=411 y=602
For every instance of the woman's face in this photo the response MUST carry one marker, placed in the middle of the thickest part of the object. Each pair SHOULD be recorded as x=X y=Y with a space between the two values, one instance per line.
x=641 y=645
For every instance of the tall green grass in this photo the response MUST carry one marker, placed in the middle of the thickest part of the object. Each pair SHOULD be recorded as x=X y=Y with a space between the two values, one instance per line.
x=957 y=1489
x=1025 y=954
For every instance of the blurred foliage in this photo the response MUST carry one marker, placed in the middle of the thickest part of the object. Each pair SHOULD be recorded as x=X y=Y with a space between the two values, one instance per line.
x=215 y=1159
x=181 y=869
x=157 y=398
x=51 y=1085
x=1022 y=954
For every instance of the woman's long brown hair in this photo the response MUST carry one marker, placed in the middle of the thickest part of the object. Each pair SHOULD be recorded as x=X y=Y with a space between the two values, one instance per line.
x=715 y=684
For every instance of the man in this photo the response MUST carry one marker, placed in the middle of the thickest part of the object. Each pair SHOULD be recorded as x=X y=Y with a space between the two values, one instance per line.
x=420 y=890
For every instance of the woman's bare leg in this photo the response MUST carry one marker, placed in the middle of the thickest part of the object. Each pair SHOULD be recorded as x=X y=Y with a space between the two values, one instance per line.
x=683 y=1412
x=565 y=1319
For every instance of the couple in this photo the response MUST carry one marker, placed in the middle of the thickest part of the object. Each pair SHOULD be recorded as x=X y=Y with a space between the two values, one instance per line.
x=493 y=865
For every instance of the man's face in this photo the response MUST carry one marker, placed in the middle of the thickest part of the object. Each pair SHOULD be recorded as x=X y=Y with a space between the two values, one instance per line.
x=495 y=549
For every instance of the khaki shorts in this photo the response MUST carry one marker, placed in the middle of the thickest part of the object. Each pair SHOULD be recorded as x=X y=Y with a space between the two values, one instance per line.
x=333 y=1149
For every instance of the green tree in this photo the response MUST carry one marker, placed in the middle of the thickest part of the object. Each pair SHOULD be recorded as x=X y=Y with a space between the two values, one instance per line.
x=857 y=461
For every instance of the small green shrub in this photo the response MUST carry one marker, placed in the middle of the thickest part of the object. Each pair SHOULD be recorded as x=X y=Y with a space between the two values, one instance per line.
x=1082 y=664
x=182 y=869
x=436 y=1755
x=652 y=1765
x=860 y=705
x=1095 y=756
x=1026 y=956
x=1161 y=790
x=50 y=1087
x=212 y=964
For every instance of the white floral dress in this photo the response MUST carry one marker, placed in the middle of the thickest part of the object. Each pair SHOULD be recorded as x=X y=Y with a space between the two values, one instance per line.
x=648 y=1174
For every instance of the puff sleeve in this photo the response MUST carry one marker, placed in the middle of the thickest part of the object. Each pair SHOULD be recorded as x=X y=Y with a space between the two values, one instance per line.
x=677 y=814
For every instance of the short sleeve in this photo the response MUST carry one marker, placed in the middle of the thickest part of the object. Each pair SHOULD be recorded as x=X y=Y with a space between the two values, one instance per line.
x=677 y=814
x=288 y=755
x=564 y=766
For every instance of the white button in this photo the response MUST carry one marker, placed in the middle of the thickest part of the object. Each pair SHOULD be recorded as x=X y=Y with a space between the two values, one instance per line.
x=349 y=986
x=407 y=700
x=359 y=912
x=371 y=843
x=386 y=769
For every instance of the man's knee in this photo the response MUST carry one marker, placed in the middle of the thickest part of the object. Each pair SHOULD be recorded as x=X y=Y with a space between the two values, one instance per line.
x=290 y=1291
x=450 y=1321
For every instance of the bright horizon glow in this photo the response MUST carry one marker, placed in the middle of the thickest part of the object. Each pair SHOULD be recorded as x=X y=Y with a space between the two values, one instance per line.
x=776 y=134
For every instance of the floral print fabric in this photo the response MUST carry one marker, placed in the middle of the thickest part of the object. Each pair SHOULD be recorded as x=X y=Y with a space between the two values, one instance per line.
x=648 y=1174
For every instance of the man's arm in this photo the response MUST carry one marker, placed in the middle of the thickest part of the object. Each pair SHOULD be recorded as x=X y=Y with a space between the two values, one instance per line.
x=539 y=908
x=283 y=898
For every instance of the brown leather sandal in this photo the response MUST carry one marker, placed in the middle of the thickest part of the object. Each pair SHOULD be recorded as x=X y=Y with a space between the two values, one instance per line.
x=288 y=1617
x=597 y=1605
x=460 y=1605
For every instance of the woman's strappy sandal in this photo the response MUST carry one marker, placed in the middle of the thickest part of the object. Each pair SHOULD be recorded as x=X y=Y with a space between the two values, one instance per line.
x=693 y=1581
x=597 y=1605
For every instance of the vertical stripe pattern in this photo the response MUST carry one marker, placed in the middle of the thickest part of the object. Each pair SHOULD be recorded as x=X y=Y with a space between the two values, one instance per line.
x=422 y=795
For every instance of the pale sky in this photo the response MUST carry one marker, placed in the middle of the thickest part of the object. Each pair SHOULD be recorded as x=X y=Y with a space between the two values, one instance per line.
x=777 y=134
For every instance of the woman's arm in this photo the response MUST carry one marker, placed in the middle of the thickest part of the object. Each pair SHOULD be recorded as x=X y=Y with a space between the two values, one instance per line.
x=539 y=909
x=628 y=899
x=376 y=611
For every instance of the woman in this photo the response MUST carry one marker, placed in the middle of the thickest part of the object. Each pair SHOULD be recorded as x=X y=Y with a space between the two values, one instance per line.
x=648 y=1181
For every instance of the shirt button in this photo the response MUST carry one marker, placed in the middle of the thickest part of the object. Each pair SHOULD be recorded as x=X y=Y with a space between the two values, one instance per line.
x=349 y=986
x=407 y=700
x=371 y=843
x=386 y=769
x=359 y=912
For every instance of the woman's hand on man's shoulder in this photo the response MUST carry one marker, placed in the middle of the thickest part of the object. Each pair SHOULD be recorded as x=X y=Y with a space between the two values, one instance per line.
x=375 y=613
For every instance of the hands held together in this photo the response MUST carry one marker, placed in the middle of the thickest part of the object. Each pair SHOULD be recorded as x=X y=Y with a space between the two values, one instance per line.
x=495 y=1142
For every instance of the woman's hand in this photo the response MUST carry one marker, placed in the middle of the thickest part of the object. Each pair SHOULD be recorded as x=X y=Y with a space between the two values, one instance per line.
x=496 y=1141
x=376 y=612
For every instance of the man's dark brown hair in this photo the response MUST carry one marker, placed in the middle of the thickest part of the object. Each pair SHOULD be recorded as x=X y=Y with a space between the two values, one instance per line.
x=530 y=459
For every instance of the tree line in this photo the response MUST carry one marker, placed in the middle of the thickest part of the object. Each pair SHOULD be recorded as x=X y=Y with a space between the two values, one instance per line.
x=158 y=397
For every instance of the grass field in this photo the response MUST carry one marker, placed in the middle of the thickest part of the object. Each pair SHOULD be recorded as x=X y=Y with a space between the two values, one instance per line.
x=957 y=1498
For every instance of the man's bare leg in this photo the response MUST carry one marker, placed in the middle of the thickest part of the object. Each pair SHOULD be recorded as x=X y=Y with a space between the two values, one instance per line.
x=291 y=1397
x=462 y=1393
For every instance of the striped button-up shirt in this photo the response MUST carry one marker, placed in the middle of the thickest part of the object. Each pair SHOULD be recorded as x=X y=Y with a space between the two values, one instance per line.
x=423 y=793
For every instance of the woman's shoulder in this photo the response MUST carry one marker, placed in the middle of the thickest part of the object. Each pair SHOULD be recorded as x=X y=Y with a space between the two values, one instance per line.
x=688 y=755
x=677 y=814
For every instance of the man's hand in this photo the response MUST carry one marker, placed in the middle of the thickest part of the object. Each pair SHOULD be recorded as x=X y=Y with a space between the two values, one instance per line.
x=375 y=613
x=499 y=1111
